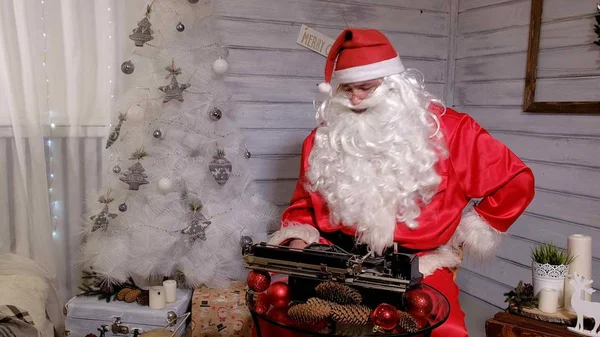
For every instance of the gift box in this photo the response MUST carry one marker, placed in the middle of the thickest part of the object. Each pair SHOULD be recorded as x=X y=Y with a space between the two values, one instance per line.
x=88 y=315
x=221 y=311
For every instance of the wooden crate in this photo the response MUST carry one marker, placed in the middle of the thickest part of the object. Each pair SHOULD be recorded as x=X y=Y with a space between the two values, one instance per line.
x=505 y=324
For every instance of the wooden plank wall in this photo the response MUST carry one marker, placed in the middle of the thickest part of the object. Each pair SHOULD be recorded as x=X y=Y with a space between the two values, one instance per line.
x=273 y=80
x=562 y=150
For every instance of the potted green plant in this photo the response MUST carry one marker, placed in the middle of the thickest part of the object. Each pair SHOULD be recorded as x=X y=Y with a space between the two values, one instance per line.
x=550 y=267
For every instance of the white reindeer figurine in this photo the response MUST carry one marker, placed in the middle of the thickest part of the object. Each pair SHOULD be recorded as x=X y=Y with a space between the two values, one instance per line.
x=582 y=307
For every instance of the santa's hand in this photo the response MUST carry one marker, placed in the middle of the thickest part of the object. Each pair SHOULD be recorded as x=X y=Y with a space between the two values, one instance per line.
x=300 y=244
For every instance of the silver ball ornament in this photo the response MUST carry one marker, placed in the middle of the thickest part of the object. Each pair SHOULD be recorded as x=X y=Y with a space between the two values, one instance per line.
x=123 y=207
x=180 y=27
x=117 y=169
x=127 y=67
x=157 y=134
x=216 y=114
x=245 y=241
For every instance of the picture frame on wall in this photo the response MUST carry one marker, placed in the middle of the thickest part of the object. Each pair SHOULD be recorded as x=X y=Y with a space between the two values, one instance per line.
x=531 y=76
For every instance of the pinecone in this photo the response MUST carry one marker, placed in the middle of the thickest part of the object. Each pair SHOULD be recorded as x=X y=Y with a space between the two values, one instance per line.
x=309 y=313
x=132 y=295
x=353 y=314
x=338 y=293
x=144 y=298
x=319 y=301
x=122 y=293
x=408 y=322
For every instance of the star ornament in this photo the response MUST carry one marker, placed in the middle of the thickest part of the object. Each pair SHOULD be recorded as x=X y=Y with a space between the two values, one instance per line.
x=174 y=90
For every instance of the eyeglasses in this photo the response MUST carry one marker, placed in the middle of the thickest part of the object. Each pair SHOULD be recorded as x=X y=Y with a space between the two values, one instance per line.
x=361 y=91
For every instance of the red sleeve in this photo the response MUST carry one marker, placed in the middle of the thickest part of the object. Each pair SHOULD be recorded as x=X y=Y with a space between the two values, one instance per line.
x=300 y=210
x=487 y=169
x=298 y=220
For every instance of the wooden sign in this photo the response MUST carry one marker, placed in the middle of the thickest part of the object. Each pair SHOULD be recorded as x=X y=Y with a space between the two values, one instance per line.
x=315 y=41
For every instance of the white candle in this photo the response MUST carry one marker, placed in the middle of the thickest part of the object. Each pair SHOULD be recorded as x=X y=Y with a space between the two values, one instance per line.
x=157 y=297
x=548 y=300
x=580 y=247
x=170 y=290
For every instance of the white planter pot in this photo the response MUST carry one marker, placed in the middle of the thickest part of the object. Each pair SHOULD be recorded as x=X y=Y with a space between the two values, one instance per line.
x=549 y=276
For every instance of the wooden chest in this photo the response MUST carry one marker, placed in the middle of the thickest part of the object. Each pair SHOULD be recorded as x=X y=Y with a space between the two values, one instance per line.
x=505 y=324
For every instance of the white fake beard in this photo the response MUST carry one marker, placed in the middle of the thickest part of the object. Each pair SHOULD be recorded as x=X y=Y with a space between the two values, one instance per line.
x=375 y=168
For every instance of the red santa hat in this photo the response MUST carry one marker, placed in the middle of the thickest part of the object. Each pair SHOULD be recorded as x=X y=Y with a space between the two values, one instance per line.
x=360 y=55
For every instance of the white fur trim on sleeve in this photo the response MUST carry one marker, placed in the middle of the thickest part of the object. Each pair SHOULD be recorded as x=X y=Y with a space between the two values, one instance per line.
x=307 y=233
x=477 y=237
x=443 y=257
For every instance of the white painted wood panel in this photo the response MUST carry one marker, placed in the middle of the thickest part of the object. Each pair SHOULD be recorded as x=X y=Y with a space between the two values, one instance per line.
x=568 y=179
x=482 y=287
x=336 y=15
x=473 y=4
x=275 y=115
x=513 y=118
x=572 y=61
x=433 y=5
x=282 y=35
x=275 y=141
x=510 y=40
x=568 y=89
x=557 y=149
x=510 y=92
x=560 y=149
x=512 y=14
x=278 y=192
x=295 y=63
x=517 y=13
x=541 y=229
x=567 y=207
x=268 y=166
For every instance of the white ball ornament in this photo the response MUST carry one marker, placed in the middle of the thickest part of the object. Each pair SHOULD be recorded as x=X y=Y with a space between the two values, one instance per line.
x=135 y=114
x=220 y=66
x=165 y=185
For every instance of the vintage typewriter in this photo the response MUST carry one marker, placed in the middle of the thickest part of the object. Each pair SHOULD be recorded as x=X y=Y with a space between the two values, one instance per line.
x=379 y=279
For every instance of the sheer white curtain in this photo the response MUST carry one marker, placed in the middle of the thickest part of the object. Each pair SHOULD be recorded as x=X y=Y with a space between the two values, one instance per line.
x=58 y=82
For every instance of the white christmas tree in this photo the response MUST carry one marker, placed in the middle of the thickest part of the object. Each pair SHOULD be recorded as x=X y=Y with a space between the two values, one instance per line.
x=175 y=197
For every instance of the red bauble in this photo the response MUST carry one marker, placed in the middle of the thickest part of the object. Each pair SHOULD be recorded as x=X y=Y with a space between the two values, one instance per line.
x=385 y=316
x=280 y=316
x=279 y=294
x=258 y=280
x=418 y=302
x=261 y=304
x=422 y=322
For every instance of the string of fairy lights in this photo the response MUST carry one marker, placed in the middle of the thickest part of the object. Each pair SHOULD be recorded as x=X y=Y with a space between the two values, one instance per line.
x=49 y=142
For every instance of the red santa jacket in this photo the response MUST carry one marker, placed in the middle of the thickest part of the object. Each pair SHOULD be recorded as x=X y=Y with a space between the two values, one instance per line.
x=478 y=166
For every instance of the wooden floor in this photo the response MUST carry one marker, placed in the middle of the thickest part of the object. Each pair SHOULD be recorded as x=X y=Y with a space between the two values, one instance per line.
x=476 y=313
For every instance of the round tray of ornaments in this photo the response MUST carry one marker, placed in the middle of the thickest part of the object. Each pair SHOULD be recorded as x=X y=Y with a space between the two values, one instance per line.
x=561 y=316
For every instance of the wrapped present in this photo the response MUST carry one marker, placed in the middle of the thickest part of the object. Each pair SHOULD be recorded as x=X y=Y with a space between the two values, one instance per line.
x=221 y=312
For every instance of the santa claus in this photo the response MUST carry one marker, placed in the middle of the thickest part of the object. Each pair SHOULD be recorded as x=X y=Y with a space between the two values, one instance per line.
x=388 y=163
